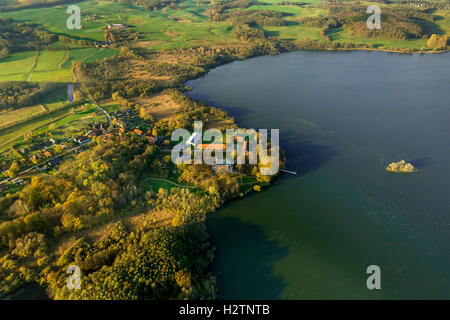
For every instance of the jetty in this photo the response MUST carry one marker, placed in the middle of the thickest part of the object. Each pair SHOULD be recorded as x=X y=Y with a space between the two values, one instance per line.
x=289 y=171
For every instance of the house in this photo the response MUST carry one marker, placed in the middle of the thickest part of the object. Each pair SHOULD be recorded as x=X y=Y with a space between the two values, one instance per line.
x=222 y=168
x=213 y=146
x=18 y=181
x=48 y=154
x=115 y=26
x=38 y=146
x=159 y=141
x=81 y=139
x=194 y=139
x=151 y=139
x=120 y=123
x=55 y=162
x=137 y=131
x=53 y=141
x=101 y=44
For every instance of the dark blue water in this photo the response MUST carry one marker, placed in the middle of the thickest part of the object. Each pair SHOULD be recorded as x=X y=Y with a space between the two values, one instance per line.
x=343 y=116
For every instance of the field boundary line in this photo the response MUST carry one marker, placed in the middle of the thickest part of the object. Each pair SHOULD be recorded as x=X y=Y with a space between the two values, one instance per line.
x=36 y=128
x=171 y=182
x=34 y=65
x=65 y=59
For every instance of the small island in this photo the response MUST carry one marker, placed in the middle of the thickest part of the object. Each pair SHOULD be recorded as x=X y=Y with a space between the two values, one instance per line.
x=401 y=167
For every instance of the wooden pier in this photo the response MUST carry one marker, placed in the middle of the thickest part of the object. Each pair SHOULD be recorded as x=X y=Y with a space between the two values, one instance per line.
x=289 y=171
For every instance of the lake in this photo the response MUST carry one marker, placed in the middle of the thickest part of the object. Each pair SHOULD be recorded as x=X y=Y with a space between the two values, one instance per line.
x=343 y=117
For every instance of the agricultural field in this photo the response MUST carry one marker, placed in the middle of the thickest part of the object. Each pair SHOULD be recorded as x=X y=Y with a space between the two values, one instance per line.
x=17 y=66
x=48 y=65
x=165 y=28
x=8 y=117
x=187 y=24
x=57 y=116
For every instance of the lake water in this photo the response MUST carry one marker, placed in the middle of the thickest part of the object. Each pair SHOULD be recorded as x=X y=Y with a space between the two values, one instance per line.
x=343 y=116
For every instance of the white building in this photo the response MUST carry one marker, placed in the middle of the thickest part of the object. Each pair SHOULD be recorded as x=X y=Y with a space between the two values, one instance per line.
x=194 y=139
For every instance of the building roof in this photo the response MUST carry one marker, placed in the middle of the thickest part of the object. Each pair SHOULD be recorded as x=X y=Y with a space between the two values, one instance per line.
x=215 y=146
x=194 y=139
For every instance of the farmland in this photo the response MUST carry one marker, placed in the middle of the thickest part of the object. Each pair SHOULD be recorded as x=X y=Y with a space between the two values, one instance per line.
x=50 y=65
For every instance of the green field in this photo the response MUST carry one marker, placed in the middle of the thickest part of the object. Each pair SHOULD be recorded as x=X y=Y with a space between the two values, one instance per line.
x=187 y=25
x=8 y=117
x=159 y=28
x=62 y=121
x=18 y=66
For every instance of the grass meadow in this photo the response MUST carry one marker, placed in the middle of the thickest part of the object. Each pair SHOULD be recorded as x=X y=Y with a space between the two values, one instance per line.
x=51 y=66
x=187 y=25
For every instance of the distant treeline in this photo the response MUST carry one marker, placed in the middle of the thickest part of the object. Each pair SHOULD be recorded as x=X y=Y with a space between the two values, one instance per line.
x=253 y=18
x=291 y=3
x=16 y=36
x=18 y=94
x=397 y=23
x=149 y=4
x=11 y=5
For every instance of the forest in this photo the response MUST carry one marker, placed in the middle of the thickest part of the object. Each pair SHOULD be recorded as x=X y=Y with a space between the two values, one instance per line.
x=16 y=36
x=20 y=94
x=102 y=188
x=398 y=23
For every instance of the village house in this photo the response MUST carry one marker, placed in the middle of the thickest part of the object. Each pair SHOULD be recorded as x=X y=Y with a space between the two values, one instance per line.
x=159 y=141
x=213 y=146
x=223 y=166
x=150 y=139
x=194 y=139
x=81 y=139
x=48 y=154
x=55 y=162
x=39 y=146
x=115 y=26
x=137 y=131
x=101 y=44
x=18 y=181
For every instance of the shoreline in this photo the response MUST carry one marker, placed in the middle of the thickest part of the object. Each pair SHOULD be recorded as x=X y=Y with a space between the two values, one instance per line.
x=278 y=178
